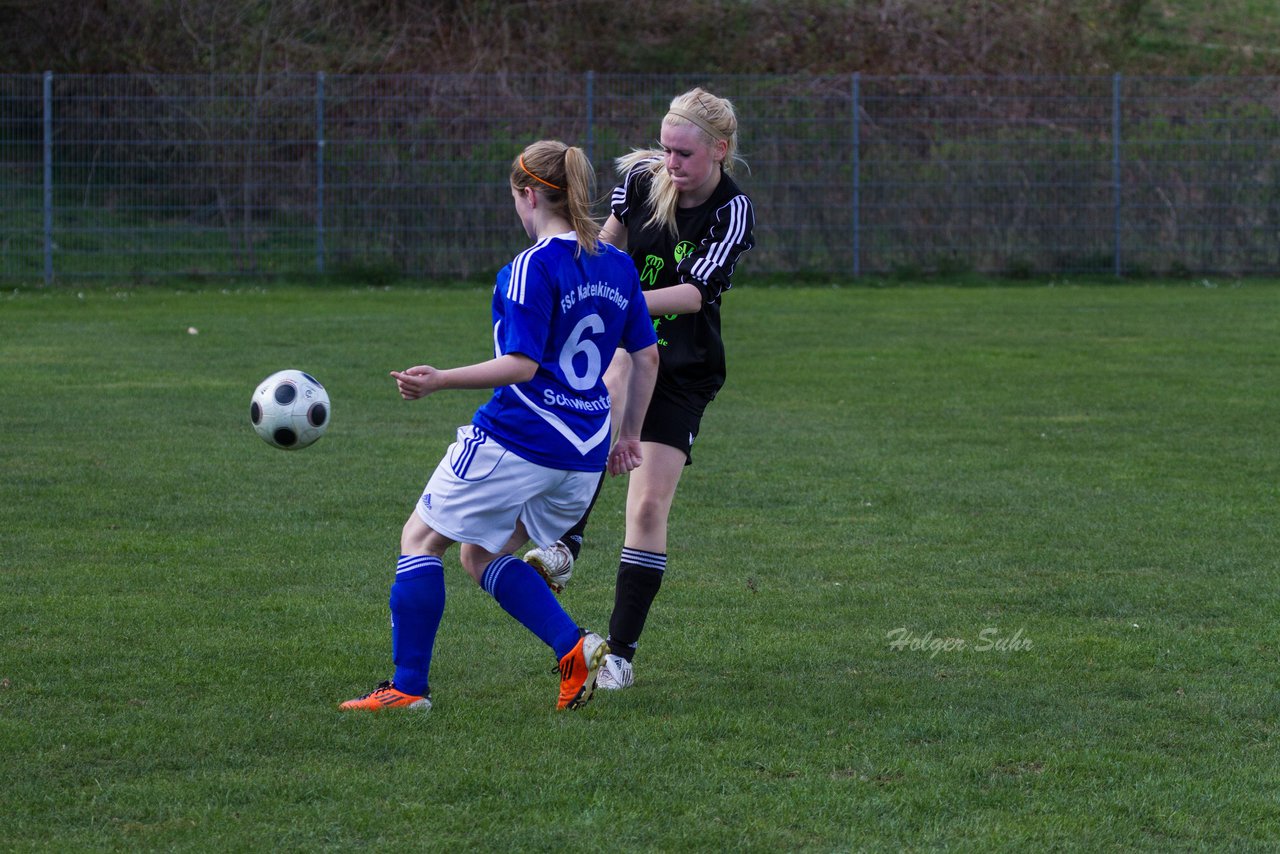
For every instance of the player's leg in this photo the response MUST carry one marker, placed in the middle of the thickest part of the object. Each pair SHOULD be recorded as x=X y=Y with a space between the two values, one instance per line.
x=517 y=540
x=418 y=593
x=552 y=498
x=417 y=606
x=650 y=494
x=670 y=426
x=521 y=592
x=521 y=496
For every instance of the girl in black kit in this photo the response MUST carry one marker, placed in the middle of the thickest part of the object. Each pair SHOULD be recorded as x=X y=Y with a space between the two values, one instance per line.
x=685 y=223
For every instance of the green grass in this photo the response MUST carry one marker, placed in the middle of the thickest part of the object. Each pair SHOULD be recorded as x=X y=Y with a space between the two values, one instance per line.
x=1088 y=470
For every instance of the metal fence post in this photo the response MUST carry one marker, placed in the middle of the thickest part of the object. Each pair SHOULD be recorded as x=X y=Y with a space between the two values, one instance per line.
x=48 y=177
x=591 y=110
x=857 y=177
x=320 y=172
x=1115 y=168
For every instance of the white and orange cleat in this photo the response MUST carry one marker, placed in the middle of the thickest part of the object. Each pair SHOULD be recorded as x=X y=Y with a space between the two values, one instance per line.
x=386 y=696
x=578 y=671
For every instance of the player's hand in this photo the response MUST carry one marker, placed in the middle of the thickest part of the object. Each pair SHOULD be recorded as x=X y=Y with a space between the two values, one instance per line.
x=625 y=455
x=416 y=382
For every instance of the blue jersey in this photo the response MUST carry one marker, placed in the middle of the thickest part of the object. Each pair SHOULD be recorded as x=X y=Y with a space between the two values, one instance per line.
x=568 y=311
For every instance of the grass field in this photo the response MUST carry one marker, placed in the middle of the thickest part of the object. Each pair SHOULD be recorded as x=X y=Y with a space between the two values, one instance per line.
x=957 y=567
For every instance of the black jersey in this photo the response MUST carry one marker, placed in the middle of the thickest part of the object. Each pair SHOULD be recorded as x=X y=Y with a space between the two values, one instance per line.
x=710 y=239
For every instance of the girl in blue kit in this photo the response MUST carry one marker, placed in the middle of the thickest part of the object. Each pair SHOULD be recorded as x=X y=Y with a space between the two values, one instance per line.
x=527 y=465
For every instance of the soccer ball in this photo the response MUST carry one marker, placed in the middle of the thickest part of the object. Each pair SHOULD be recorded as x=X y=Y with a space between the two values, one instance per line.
x=290 y=410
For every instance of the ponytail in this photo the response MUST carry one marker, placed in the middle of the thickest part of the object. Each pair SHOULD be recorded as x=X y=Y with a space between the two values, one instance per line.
x=563 y=176
x=580 y=178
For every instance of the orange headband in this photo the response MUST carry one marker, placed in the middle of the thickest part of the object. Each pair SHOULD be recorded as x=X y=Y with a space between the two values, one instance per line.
x=535 y=177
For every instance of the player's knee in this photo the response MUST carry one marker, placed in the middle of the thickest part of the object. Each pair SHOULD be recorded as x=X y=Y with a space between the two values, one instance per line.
x=413 y=538
x=648 y=513
x=618 y=372
x=474 y=560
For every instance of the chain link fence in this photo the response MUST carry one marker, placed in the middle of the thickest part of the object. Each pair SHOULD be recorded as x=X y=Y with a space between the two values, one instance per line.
x=135 y=176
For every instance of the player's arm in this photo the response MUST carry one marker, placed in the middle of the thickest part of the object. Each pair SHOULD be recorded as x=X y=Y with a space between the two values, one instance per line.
x=626 y=454
x=677 y=299
x=422 y=380
x=621 y=200
x=614 y=233
x=704 y=274
x=707 y=268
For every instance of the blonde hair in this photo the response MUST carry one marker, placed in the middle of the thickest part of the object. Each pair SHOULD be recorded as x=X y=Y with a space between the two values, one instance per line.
x=564 y=177
x=715 y=119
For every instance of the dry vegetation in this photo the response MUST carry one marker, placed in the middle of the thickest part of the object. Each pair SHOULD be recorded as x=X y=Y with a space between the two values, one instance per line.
x=884 y=37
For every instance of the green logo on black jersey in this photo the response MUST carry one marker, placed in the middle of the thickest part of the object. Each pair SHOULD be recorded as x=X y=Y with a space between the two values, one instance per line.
x=683 y=250
x=657 y=322
x=652 y=267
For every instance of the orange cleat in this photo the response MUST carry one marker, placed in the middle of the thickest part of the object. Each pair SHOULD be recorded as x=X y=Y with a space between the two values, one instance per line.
x=578 y=671
x=386 y=696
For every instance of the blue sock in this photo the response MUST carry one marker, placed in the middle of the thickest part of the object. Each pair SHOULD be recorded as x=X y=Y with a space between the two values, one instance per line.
x=524 y=595
x=417 y=604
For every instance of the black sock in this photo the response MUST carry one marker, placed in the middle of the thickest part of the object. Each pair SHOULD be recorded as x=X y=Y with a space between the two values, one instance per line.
x=573 y=537
x=639 y=577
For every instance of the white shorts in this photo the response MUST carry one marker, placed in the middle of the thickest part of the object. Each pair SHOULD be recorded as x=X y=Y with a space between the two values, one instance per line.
x=480 y=490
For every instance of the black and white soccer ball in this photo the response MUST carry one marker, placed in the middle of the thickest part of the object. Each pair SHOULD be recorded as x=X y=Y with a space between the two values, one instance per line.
x=290 y=410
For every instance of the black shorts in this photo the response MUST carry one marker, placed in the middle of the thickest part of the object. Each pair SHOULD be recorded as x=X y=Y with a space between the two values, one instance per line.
x=670 y=423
